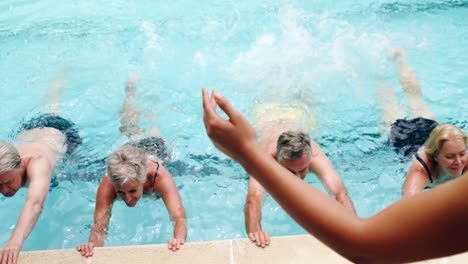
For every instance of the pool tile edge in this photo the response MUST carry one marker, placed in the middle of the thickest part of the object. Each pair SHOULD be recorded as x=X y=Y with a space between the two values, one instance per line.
x=285 y=249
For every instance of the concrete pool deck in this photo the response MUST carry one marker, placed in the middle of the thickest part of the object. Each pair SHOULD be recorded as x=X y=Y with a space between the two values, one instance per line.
x=286 y=249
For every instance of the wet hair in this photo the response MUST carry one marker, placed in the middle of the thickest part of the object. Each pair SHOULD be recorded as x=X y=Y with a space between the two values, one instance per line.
x=9 y=157
x=293 y=145
x=127 y=163
x=439 y=135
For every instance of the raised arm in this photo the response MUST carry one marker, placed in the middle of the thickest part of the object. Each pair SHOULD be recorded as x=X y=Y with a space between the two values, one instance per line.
x=429 y=225
x=104 y=200
x=253 y=214
x=39 y=171
x=166 y=186
x=321 y=165
x=415 y=180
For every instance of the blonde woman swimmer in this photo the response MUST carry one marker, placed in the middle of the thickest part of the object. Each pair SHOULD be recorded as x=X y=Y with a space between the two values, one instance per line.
x=133 y=170
x=439 y=150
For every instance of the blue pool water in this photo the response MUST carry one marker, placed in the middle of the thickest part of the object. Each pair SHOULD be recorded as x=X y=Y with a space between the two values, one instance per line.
x=331 y=53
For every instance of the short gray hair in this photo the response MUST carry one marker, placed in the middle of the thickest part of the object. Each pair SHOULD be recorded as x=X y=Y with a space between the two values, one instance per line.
x=9 y=157
x=127 y=163
x=293 y=145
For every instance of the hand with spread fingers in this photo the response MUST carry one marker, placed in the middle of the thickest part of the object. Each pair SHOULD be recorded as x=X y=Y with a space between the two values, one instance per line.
x=260 y=238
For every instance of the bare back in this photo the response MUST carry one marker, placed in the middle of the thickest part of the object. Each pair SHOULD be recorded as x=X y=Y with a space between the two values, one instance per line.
x=46 y=142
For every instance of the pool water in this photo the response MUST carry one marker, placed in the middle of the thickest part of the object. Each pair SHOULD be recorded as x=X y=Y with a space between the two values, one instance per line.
x=332 y=54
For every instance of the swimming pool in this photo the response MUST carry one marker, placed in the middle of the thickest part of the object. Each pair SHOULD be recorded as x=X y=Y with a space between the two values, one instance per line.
x=331 y=54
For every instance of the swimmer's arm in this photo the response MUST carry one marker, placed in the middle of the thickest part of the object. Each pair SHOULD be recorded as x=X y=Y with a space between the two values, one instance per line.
x=323 y=168
x=104 y=200
x=415 y=180
x=253 y=207
x=429 y=225
x=39 y=172
x=166 y=186
x=253 y=214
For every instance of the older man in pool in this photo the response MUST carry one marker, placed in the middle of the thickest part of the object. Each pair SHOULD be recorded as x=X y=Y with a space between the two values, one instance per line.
x=41 y=143
x=281 y=132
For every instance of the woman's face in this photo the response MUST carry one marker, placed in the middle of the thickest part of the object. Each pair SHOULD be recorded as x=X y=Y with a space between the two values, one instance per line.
x=452 y=156
x=10 y=182
x=130 y=192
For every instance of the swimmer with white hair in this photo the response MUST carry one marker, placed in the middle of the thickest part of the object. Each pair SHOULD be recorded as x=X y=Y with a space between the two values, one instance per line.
x=135 y=169
x=41 y=142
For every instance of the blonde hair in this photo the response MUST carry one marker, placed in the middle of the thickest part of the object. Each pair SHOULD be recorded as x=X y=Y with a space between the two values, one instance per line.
x=439 y=135
x=127 y=163
x=9 y=157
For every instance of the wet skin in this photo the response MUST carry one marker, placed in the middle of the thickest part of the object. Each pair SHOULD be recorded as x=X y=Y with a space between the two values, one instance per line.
x=299 y=167
x=10 y=182
x=130 y=192
x=452 y=157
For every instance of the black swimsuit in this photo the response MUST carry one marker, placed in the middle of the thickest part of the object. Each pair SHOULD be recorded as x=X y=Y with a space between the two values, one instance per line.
x=155 y=174
x=407 y=135
x=424 y=165
x=155 y=146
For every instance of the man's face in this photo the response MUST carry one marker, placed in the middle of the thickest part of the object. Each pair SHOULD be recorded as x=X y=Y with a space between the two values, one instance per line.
x=10 y=182
x=299 y=167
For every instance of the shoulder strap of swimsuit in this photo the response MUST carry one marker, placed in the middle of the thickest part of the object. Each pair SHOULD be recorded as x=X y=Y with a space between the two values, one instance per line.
x=156 y=173
x=424 y=165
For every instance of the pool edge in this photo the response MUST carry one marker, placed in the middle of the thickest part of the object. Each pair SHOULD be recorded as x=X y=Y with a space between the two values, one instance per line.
x=284 y=249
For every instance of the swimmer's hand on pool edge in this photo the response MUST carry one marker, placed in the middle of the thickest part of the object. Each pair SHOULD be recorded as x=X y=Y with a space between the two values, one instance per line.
x=10 y=252
x=260 y=238
x=86 y=249
x=175 y=243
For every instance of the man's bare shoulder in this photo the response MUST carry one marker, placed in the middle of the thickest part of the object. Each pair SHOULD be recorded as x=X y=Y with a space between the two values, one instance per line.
x=35 y=151
x=38 y=143
x=316 y=149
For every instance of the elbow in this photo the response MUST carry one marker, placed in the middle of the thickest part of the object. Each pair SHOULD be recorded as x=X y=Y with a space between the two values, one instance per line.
x=359 y=254
x=253 y=200
x=180 y=220
x=364 y=249
x=360 y=259
x=249 y=204
x=358 y=246
x=179 y=216
x=37 y=207
x=360 y=241
x=341 y=195
x=366 y=258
